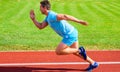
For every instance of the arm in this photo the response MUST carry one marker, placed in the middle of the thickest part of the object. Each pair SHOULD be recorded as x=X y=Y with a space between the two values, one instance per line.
x=70 y=18
x=37 y=24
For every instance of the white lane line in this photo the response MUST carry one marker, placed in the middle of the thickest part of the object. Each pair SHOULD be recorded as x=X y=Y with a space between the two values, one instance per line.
x=53 y=63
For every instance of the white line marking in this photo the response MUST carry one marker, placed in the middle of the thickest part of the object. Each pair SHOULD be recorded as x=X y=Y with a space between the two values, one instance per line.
x=53 y=63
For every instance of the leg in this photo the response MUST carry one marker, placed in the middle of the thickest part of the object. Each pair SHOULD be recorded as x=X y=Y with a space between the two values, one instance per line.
x=75 y=45
x=92 y=65
x=63 y=49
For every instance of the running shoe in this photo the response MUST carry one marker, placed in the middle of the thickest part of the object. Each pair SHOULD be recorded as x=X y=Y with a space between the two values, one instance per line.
x=91 y=67
x=82 y=52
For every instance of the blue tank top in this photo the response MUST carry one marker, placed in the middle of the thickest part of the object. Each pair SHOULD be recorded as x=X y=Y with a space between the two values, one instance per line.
x=61 y=27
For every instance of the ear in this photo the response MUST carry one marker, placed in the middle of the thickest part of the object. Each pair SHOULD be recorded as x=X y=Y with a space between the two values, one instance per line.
x=45 y=8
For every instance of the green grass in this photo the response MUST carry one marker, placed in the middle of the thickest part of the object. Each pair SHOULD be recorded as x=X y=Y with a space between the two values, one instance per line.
x=17 y=32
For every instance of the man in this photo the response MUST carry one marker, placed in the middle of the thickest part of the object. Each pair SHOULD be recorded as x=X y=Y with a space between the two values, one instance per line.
x=58 y=22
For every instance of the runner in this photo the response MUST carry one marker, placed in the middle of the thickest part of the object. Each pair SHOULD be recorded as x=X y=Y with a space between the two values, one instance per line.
x=58 y=22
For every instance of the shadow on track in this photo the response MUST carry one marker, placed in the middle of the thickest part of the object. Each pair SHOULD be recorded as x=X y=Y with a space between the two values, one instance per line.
x=37 y=69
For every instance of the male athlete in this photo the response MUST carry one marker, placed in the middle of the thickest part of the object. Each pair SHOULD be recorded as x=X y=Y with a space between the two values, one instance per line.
x=58 y=22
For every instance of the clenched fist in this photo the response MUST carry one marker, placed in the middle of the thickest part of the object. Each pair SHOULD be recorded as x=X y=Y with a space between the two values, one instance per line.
x=32 y=15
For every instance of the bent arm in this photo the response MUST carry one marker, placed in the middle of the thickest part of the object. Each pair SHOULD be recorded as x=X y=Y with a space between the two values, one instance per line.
x=37 y=24
x=40 y=25
x=70 y=18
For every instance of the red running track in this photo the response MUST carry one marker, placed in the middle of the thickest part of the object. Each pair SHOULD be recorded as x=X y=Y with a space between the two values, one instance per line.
x=50 y=57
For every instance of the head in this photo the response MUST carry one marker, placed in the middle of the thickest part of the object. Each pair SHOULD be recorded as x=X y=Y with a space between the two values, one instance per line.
x=44 y=6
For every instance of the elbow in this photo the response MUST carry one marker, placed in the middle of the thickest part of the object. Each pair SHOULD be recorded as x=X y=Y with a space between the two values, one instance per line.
x=40 y=28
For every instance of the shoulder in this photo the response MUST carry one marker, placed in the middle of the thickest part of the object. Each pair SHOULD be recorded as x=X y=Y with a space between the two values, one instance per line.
x=52 y=15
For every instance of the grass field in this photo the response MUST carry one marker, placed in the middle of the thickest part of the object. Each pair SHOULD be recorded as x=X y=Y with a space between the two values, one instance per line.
x=17 y=32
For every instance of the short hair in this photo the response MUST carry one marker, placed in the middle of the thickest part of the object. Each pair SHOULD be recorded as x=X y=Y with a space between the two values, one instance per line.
x=45 y=3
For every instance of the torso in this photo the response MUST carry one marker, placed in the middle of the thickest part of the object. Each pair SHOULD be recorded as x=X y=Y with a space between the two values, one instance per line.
x=61 y=27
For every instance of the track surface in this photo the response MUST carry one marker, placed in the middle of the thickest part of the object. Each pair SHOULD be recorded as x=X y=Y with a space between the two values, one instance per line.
x=32 y=62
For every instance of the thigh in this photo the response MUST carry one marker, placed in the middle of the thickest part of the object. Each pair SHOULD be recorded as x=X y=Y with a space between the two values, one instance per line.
x=75 y=45
x=61 y=46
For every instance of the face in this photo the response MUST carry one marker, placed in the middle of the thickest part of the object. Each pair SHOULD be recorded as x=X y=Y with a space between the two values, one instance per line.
x=42 y=9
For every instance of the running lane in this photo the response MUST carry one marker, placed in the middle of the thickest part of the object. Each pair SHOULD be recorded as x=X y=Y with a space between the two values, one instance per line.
x=109 y=61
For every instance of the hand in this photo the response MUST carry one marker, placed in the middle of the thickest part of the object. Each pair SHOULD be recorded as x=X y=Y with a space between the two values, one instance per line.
x=83 y=23
x=32 y=15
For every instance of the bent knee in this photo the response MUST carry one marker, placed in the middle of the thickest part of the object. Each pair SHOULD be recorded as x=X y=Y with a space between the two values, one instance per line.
x=58 y=52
